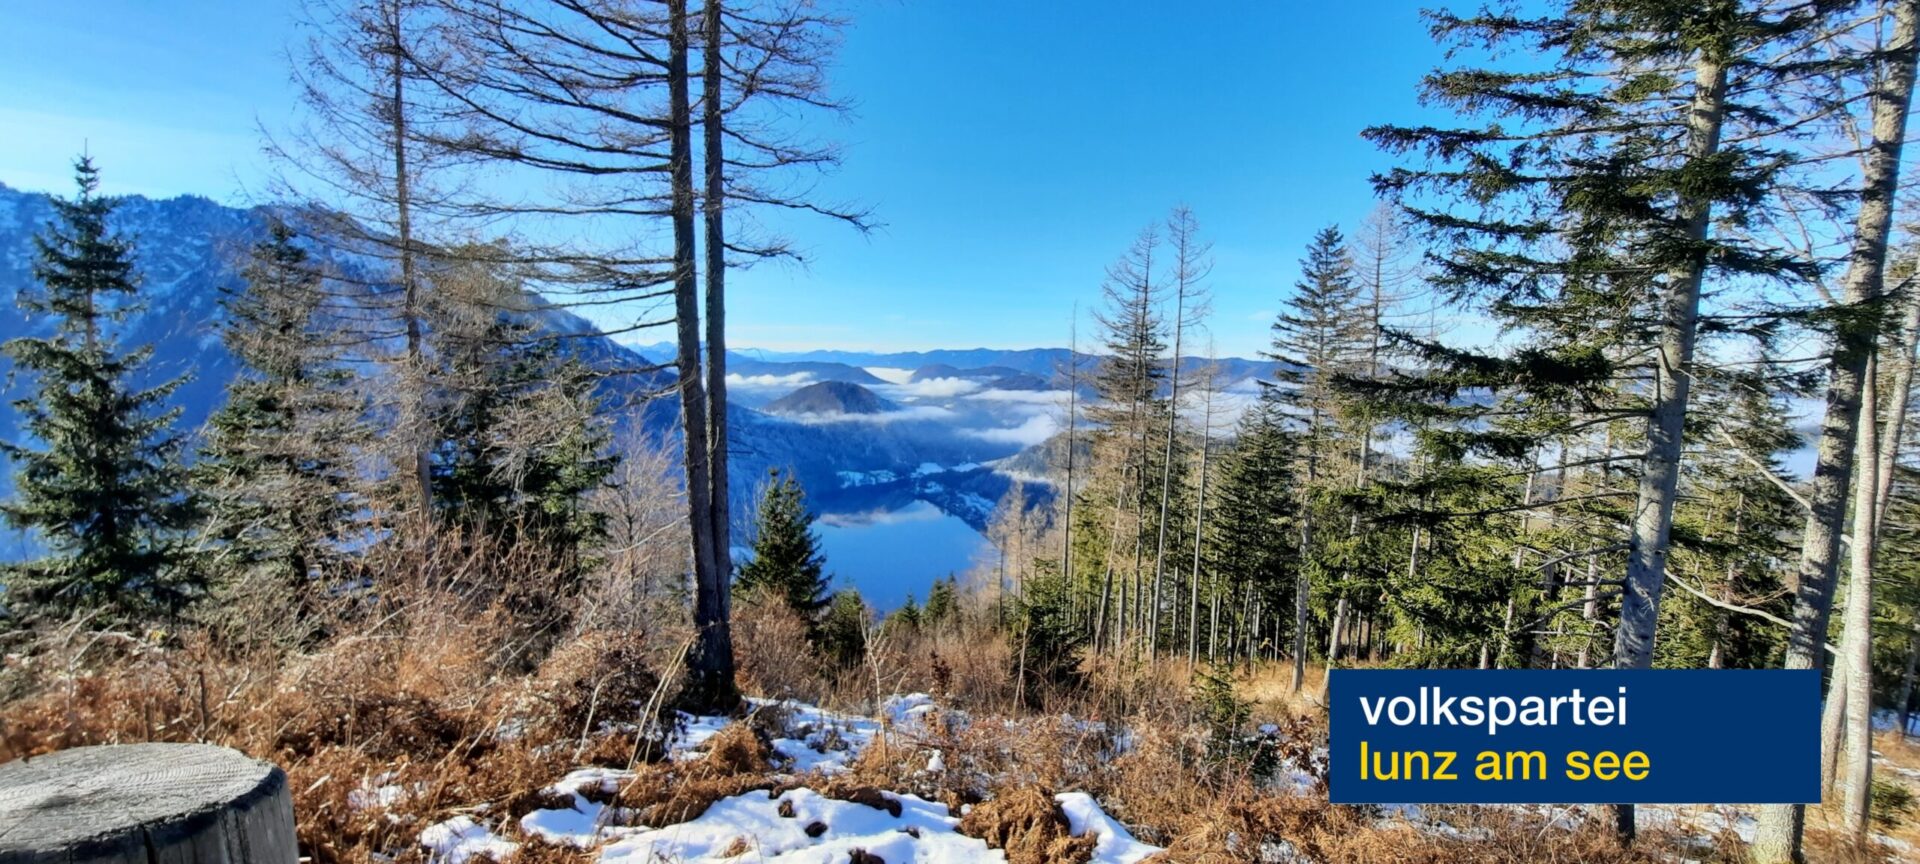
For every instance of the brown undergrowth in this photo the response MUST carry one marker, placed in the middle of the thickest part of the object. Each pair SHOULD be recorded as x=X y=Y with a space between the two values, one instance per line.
x=426 y=703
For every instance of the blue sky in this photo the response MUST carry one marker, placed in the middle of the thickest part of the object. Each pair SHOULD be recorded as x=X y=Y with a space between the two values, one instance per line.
x=1010 y=149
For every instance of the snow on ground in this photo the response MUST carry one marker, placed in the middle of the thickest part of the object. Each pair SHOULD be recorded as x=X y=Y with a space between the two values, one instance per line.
x=1699 y=822
x=802 y=827
x=459 y=839
x=587 y=823
x=819 y=829
x=1115 y=845
x=1884 y=720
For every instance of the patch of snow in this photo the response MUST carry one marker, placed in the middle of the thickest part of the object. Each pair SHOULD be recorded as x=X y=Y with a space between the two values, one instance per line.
x=693 y=733
x=460 y=839
x=377 y=793
x=927 y=468
x=1115 y=844
x=587 y=823
x=849 y=479
x=749 y=827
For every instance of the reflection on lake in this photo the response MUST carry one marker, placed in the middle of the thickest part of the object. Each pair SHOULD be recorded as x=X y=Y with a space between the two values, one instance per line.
x=888 y=554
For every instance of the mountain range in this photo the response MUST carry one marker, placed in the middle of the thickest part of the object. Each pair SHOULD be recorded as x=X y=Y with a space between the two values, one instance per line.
x=862 y=430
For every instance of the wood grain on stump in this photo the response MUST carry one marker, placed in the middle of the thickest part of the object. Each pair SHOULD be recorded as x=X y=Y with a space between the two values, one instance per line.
x=145 y=804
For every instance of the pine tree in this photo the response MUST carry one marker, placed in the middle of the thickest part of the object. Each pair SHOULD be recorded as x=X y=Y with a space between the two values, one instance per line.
x=786 y=562
x=1049 y=634
x=1320 y=335
x=103 y=489
x=275 y=477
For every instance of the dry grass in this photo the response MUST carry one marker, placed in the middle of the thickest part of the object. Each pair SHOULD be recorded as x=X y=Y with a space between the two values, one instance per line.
x=439 y=691
x=436 y=688
x=1025 y=823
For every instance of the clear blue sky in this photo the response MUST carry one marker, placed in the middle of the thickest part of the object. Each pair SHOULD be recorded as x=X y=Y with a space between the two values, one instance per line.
x=1011 y=149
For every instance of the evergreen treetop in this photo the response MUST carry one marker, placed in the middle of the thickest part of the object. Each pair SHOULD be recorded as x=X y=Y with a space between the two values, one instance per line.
x=276 y=478
x=97 y=478
x=786 y=563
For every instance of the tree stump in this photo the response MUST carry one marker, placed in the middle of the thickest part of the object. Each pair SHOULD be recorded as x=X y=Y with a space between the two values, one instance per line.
x=145 y=804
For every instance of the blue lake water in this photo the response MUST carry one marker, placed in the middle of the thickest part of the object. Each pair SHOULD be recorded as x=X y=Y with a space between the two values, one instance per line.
x=888 y=554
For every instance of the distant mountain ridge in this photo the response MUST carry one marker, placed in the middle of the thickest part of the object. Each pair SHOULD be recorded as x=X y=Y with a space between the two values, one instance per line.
x=189 y=251
x=1048 y=364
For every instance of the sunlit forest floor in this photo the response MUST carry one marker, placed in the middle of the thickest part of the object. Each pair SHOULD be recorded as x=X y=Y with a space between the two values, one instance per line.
x=440 y=728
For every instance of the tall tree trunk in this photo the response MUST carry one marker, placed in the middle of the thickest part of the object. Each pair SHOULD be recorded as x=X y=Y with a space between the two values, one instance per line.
x=1660 y=473
x=1073 y=424
x=1777 y=838
x=1902 y=362
x=1199 y=525
x=409 y=271
x=1660 y=468
x=1854 y=775
x=1300 y=586
x=1833 y=722
x=1166 y=470
x=710 y=661
x=720 y=513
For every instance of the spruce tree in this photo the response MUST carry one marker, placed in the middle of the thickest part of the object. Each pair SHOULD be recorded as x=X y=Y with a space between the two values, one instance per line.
x=1319 y=336
x=275 y=477
x=1606 y=178
x=1049 y=633
x=786 y=564
x=907 y=617
x=98 y=479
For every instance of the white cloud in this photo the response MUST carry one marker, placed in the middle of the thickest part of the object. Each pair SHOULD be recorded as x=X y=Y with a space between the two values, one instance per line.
x=918 y=511
x=889 y=374
x=769 y=382
x=1049 y=398
x=932 y=388
x=916 y=412
x=1036 y=429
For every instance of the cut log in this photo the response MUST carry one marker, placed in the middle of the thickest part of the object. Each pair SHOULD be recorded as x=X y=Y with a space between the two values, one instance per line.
x=145 y=804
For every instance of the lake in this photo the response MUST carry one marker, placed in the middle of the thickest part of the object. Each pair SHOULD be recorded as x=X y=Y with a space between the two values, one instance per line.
x=888 y=554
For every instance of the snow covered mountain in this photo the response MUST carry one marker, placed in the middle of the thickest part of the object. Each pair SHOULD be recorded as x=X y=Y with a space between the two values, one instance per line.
x=190 y=249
